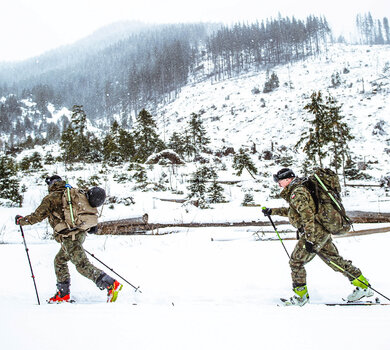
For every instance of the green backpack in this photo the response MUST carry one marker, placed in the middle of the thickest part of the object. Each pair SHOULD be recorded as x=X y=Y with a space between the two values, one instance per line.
x=324 y=187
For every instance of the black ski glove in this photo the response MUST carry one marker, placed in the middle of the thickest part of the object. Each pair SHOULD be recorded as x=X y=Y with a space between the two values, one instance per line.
x=17 y=218
x=310 y=247
x=266 y=211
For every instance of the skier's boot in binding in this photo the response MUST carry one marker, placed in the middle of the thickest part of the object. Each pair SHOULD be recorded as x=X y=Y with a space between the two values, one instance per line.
x=362 y=289
x=300 y=298
x=63 y=293
x=112 y=286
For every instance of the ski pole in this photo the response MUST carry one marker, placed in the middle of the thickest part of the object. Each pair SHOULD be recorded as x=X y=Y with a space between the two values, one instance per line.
x=281 y=241
x=349 y=274
x=29 y=262
x=136 y=288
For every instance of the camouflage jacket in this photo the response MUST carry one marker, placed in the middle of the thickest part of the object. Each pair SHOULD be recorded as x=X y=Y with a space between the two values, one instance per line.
x=51 y=207
x=302 y=212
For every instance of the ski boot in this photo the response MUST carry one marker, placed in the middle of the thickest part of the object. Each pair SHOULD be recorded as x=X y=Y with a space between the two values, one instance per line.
x=300 y=298
x=113 y=287
x=62 y=295
x=362 y=289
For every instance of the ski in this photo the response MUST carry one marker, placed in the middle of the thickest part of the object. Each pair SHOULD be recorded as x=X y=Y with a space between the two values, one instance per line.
x=285 y=302
x=362 y=303
x=71 y=301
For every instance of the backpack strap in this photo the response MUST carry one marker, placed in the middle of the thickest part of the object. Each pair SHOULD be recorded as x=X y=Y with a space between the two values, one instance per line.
x=312 y=187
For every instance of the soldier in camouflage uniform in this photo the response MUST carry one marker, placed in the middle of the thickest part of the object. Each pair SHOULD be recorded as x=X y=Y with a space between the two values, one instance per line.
x=71 y=245
x=313 y=238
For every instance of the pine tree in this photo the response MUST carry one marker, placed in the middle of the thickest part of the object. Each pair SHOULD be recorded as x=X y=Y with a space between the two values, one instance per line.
x=141 y=177
x=9 y=182
x=36 y=161
x=198 y=133
x=68 y=145
x=24 y=164
x=248 y=199
x=340 y=135
x=329 y=133
x=146 y=139
x=271 y=83
x=386 y=29
x=49 y=159
x=95 y=149
x=176 y=143
x=241 y=161
x=79 y=122
x=317 y=136
x=215 y=191
x=188 y=147
x=126 y=145
x=198 y=185
x=74 y=141
x=111 y=147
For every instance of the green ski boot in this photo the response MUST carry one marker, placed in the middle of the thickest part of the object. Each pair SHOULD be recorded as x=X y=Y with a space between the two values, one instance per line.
x=300 y=298
x=362 y=289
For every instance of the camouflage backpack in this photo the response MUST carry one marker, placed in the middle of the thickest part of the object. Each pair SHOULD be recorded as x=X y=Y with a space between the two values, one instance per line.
x=324 y=187
x=78 y=212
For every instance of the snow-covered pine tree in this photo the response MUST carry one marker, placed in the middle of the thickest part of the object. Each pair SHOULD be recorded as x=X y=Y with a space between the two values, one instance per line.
x=248 y=199
x=271 y=83
x=241 y=161
x=146 y=139
x=340 y=135
x=198 y=185
x=215 y=190
x=111 y=147
x=9 y=182
x=317 y=136
x=140 y=176
x=49 y=159
x=74 y=141
x=198 y=133
x=36 y=161
x=177 y=144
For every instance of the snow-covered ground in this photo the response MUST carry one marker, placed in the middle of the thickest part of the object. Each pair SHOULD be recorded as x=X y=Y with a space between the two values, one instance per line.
x=209 y=288
x=213 y=288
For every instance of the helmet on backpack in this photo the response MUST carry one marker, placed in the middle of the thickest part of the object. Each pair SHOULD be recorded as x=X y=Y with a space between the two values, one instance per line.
x=282 y=174
x=96 y=196
x=52 y=179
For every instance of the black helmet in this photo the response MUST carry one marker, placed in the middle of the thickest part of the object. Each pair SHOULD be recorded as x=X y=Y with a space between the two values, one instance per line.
x=96 y=196
x=52 y=179
x=282 y=174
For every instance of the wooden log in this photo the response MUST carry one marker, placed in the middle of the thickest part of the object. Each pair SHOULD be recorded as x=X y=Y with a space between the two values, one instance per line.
x=124 y=226
x=141 y=224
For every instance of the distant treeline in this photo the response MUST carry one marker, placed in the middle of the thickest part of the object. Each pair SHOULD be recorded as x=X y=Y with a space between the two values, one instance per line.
x=373 y=31
x=236 y=49
x=152 y=66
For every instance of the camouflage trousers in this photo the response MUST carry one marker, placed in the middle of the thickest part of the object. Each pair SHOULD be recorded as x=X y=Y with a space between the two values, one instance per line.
x=300 y=256
x=73 y=251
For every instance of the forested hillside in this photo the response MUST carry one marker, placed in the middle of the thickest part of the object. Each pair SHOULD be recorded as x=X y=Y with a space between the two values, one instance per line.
x=153 y=64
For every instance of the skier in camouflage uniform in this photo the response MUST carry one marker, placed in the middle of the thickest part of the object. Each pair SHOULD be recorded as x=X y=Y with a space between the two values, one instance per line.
x=313 y=238
x=71 y=245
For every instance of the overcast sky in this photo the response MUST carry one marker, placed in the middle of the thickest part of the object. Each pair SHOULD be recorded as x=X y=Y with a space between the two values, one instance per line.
x=31 y=27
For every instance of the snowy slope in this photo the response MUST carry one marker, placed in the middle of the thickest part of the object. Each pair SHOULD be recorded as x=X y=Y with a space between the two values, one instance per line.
x=196 y=294
x=234 y=116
